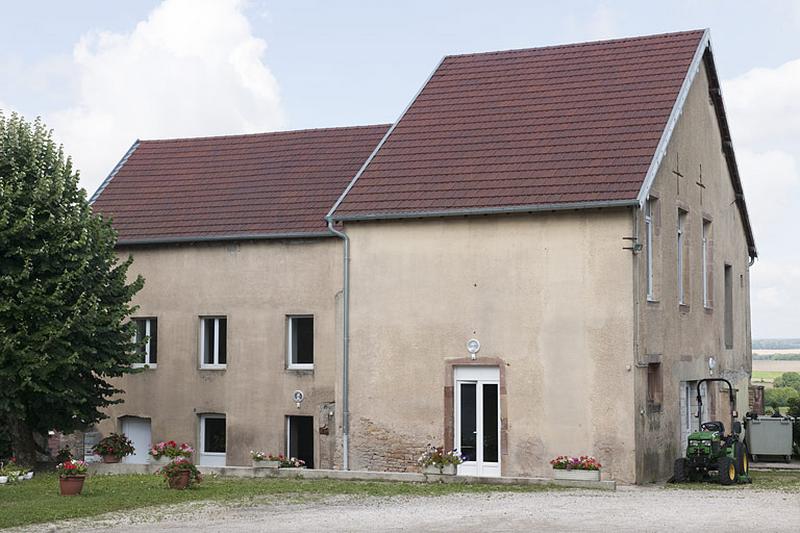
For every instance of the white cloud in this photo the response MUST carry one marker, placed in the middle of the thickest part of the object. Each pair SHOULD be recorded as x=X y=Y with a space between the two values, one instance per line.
x=602 y=23
x=192 y=68
x=764 y=113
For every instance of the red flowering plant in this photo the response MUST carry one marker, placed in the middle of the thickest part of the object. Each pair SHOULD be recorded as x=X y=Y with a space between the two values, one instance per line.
x=171 y=449
x=584 y=462
x=116 y=444
x=439 y=458
x=178 y=467
x=72 y=467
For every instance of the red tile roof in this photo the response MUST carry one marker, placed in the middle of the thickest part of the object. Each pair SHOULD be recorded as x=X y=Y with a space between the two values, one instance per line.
x=258 y=185
x=558 y=125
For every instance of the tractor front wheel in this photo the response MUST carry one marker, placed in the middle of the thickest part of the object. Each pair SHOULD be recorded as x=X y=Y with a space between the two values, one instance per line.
x=727 y=471
x=680 y=470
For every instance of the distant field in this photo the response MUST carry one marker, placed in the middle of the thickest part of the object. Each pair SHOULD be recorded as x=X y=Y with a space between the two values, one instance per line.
x=778 y=367
x=768 y=351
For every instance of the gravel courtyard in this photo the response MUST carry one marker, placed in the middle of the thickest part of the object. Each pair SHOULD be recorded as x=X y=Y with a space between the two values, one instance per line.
x=628 y=509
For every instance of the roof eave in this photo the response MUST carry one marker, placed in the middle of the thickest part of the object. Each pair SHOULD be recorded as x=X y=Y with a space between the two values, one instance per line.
x=486 y=211
x=222 y=238
x=330 y=215
x=114 y=171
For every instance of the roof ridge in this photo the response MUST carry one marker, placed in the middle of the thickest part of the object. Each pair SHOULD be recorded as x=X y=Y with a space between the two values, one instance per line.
x=263 y=133
x=580 y=44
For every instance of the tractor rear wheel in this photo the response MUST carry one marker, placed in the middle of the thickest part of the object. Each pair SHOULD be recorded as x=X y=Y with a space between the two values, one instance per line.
x=742 y=464
x=680 y=470
x=727 y=471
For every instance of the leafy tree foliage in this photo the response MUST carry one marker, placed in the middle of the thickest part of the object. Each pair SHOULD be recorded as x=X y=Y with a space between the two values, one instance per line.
x=788 y=379
x=779 y=396
x=64 y=295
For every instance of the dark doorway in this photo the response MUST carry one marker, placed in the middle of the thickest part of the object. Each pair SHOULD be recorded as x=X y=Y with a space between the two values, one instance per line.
x=301 y=438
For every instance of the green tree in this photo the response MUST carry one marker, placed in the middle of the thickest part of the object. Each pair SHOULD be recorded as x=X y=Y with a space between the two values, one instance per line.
x=64 y=295
x=788 y=379
x=780 y=396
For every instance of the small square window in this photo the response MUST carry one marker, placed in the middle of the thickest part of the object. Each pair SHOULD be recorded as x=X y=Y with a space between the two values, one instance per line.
x=213 y=342
x=300 y=334
x=146 y=339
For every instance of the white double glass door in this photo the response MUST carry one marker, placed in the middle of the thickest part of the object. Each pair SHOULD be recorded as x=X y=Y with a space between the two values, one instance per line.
x=477 y=419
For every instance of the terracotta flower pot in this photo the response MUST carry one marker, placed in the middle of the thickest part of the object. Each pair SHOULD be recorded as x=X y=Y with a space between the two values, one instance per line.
x=179 y=481
x=71 y=485
x=111 y=459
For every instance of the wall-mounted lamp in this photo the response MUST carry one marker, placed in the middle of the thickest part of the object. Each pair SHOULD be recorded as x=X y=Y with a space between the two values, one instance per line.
x=473 y=347
x=298 y=397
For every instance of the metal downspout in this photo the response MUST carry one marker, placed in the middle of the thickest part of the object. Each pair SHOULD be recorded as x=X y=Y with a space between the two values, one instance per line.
x=345 y=345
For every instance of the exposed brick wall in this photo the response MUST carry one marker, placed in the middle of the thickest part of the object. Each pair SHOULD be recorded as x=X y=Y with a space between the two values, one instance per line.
x=376 y=447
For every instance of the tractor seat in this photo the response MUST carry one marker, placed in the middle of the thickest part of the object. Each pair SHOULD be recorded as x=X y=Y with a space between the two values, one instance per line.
x=715 y=425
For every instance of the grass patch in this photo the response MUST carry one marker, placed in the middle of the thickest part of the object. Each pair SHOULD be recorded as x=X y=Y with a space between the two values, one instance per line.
x=38 y=501
x=766 y=375
x=780 y=481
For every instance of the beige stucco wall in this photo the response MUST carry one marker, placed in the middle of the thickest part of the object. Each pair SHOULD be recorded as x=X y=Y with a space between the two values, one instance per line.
x=682 y=338
x=255 y=284
x=548 y=294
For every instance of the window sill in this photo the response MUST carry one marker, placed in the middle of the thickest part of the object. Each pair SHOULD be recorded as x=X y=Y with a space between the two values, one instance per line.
x=650 y=301
x=146 y=366
x=684 y=308
x=300 y=367
x=708 y=309
x=213 y=367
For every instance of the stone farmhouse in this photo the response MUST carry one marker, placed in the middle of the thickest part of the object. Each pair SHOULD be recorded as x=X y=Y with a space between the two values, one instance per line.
x=541 y=256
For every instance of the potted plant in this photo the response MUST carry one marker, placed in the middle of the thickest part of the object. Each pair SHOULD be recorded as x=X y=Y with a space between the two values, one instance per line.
x=71 y=475
x=166 y=451
x=180 y=473
x=584 y=468
x=437 y=461
x=13 y=471
x=263 y=460
x=113 y=447
x=290 y=462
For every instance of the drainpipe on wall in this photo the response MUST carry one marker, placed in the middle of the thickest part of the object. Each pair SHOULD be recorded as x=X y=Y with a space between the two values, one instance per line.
x=345 y=346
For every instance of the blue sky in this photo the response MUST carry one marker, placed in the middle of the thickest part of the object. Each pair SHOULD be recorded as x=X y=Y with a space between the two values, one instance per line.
x=105 y=73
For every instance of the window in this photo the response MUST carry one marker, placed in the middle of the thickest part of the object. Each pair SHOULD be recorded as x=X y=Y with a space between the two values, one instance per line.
x=728 y=306
x=681 y=246
x=648 y=227
x=213 y=342
x=300 y=332
x=706 y=263
x=213 y=438
x=147 y=333
x=654 y=386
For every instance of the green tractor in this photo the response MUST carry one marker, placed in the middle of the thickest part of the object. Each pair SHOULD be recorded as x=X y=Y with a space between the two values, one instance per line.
x=710 y=450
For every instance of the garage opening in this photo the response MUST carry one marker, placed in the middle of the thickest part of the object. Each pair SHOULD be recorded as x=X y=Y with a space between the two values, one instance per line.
x=300 y=438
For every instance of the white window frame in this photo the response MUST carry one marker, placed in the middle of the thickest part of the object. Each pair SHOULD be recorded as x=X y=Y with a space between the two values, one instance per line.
x=146 y=363
x=706 y=292
x=213 y=458
x=215 y=365
x=289 y=364
x=681 y=237
x=648 y=225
